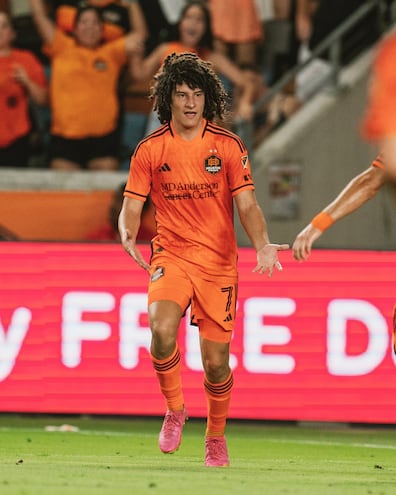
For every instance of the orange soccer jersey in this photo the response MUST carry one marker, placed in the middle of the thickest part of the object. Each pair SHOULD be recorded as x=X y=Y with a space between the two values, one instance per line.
x=380 y=117
x=83 y=89
x=192 y=185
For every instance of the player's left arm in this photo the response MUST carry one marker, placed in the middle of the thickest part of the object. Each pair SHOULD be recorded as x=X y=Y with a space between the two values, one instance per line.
x=254 y=223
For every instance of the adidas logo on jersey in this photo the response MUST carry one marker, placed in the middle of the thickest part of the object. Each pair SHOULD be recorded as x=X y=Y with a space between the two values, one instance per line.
x=164 y=168
x=228 y=318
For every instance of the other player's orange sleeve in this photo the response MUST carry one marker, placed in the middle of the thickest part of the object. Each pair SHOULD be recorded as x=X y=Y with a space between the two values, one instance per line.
x=380 y=118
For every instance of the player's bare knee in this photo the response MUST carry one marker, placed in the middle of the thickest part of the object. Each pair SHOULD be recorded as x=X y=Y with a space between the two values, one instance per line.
x=163 y=340
x=216 y=370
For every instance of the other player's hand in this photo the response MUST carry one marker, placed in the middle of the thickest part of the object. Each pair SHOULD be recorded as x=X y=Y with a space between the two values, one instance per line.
x=267 y=258
x=303 y=243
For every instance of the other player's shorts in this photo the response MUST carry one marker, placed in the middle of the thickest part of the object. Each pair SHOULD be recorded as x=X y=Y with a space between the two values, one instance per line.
x=213 y=300
x=81 y=151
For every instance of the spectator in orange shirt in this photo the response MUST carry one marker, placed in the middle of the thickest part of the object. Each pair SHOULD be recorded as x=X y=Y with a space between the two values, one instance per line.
x=83 y=89
x=22 y=79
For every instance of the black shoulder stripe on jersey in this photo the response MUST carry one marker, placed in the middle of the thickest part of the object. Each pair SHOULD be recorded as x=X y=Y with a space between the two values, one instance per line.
x=158 y=132
x=216 y=127
x=242 y=187
x=136 y=194
x=222 y=132
x=204 y=129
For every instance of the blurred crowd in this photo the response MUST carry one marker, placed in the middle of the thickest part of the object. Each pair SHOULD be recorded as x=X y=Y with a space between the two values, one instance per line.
x=75 y=74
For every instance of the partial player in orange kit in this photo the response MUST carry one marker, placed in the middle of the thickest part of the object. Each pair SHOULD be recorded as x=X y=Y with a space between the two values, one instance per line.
x=194 y=170
x=356 y=193
x=379 y=123
x=379 y=126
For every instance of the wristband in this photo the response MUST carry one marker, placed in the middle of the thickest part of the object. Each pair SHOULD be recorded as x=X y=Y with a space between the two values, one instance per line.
x=322 y=221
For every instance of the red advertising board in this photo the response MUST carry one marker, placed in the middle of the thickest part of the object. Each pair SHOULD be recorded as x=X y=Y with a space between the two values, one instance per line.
x=312 y=343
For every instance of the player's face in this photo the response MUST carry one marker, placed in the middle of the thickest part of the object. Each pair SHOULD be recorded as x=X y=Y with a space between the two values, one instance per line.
x=89 y=29
x=187 y=108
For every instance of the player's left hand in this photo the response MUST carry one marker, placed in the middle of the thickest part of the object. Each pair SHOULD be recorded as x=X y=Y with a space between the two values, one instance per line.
x=267 y=258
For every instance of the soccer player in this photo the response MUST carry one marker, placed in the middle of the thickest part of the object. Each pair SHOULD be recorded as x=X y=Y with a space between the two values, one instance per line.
x=194 y=170
x=379 y=122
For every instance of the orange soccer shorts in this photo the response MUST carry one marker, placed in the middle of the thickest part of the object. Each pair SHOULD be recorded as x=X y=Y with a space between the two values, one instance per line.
x=213 y=299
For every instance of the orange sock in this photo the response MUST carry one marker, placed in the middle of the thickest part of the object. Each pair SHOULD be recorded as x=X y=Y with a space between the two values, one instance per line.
x=169 y=377
x=218 y=397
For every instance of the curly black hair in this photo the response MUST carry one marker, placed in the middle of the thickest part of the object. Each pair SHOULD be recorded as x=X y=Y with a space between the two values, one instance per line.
x=189 y=69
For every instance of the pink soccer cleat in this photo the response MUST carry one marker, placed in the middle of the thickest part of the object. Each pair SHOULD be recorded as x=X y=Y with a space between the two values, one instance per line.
x=171 y=432
x=216 y=454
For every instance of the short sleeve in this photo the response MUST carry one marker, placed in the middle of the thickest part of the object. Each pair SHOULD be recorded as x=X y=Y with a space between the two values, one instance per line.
x=238 y=167
x=139 y=178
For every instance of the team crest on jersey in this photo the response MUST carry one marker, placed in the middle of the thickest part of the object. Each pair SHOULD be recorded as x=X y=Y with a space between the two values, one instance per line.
x=213 y=164
x=245 y=161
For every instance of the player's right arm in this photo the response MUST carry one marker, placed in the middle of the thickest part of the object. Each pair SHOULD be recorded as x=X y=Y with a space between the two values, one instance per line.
x=45 y=25
x=128 y=226
x=358 y=191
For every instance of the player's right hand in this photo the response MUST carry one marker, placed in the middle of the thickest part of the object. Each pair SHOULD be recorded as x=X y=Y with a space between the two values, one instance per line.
x=303 y=243
x=133 y=251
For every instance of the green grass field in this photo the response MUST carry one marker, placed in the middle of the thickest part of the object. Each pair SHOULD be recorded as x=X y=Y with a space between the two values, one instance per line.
x=117 y=456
